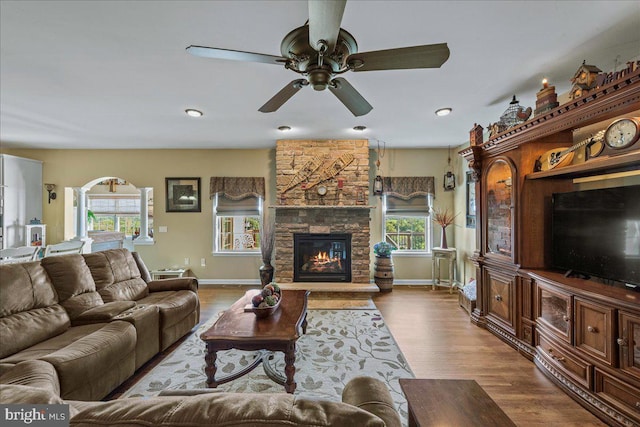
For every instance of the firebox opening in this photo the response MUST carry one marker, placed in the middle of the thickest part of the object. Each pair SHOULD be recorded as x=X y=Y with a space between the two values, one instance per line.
x=322 y=257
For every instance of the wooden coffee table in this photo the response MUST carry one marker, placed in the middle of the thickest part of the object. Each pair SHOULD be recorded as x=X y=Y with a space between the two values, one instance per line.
x=237 y=329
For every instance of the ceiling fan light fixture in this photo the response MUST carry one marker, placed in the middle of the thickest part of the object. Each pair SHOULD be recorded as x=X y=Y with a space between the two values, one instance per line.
x=441 y=112
x=284 y=128
x=359 y=128
x=193 y=112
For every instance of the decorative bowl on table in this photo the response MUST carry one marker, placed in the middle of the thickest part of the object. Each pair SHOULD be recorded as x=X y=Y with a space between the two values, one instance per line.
x=264 y=302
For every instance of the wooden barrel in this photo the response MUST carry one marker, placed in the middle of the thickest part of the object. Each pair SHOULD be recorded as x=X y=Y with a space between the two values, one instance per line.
x=383 y=273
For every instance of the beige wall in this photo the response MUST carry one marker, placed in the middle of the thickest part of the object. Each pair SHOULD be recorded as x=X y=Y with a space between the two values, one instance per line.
x=190 y=234
x=414 y=162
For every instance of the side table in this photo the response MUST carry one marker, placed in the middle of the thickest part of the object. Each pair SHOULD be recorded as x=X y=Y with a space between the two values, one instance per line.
x=461 y=403
x=168 y=272
x=448 y=255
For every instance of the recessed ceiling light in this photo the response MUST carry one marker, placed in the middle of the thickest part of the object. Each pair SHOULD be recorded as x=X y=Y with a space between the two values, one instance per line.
x=443 y=111
x=193 y=113
x=284 y=128
x=359 y=128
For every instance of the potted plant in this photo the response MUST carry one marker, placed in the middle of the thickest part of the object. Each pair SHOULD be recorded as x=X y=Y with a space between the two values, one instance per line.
x=383 y=271
x=444 y=219
x=267 y=244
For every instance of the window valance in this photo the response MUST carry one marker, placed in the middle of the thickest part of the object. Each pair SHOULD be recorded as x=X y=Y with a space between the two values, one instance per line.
x=408 y=187
x=236 y=188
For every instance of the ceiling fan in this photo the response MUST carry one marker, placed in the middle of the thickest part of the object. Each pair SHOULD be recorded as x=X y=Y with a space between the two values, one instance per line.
x=321 y=50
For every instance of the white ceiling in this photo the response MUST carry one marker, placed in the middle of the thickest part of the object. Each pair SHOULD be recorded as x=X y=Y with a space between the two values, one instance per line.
x=115 y=74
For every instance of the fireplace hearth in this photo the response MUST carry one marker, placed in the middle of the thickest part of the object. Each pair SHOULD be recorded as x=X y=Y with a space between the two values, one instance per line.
x=322 y=257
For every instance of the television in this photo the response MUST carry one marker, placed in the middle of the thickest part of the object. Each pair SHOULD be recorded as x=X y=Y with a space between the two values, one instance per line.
x=597 y=233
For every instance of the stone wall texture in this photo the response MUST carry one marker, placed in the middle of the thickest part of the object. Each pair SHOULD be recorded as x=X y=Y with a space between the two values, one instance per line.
x=341 y=210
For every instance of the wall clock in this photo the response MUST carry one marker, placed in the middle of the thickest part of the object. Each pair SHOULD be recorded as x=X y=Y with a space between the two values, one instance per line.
x=322 y=190
x=622 y=133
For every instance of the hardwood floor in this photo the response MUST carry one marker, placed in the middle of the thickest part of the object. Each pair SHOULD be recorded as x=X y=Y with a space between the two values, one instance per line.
x=438 y=340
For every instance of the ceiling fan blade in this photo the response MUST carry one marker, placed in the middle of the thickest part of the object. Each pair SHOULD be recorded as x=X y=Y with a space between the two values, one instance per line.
x=234 y=55
x=283 y=96
x=350 y=97
x=325 y=17
x=426 y=56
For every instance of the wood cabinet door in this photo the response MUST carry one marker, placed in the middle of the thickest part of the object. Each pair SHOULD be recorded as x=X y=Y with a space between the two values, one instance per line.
x=594 y=330
x=629 y=343
x=501 y=300
x=554 y=311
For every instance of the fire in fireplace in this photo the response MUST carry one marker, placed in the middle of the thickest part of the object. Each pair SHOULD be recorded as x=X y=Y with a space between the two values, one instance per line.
x=322 y=257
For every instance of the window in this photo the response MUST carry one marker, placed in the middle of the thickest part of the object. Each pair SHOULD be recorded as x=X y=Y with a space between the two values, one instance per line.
x=116 y=213
x=237 y=224
x=407 y=225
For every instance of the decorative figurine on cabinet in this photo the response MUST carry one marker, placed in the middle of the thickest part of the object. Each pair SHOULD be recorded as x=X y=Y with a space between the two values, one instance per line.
x=584 y=80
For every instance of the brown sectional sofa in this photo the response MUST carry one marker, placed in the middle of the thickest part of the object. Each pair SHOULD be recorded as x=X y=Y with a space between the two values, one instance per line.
x=74 y=327
x=366 y=402
x=93 y=317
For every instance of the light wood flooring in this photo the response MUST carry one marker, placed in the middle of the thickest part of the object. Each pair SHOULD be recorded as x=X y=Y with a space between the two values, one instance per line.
x=438 y=340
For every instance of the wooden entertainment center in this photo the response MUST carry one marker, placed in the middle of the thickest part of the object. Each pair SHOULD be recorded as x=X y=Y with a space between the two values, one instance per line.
x=583 y=334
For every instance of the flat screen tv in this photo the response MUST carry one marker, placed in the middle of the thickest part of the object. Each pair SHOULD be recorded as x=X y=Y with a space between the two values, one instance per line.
x=597 y=233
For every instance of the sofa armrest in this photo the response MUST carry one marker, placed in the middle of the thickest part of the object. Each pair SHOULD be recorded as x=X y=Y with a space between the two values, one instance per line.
x=102 y=313
x=33 y=373
x=174 y=284
x=373 y=396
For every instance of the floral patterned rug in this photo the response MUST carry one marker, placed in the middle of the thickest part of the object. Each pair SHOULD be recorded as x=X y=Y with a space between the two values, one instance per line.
x=338 y=345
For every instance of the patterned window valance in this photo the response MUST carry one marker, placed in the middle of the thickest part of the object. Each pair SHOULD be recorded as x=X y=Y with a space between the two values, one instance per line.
x=236 y=188
x=408 y=187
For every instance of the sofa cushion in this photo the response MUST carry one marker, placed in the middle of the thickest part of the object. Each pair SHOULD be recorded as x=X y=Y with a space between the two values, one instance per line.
x=73 y=283
x=225 y=409
x=55 y=343
x=28 y=301
x=116 y=275
x=41 y=324
x=174 y=305
x=25 y=286
x=95 y=364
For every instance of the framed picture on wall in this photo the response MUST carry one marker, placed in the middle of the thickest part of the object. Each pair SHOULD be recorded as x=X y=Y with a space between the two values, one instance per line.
x=182 y=194
x=471 y=201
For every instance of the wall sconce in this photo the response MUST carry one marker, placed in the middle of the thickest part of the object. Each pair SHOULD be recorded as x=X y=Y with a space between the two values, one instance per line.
x=50 y=189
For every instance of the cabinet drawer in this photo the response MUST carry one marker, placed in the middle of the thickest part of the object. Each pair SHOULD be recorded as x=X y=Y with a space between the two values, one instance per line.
x=575 y=368
x=594 y=332
x=619 y=394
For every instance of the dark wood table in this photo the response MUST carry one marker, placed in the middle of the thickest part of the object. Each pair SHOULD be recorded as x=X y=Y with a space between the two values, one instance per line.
x=237 y=329
x=451 y=403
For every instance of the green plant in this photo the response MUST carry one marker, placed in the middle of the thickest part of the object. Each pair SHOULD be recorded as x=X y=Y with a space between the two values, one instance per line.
x=383 y=249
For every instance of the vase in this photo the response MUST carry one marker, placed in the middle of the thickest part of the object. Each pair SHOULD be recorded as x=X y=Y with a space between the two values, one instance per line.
x=383 y=274
x=443 y=238
x=266 y=273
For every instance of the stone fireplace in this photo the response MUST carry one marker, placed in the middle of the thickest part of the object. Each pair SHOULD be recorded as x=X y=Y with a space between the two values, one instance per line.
x=323 y=190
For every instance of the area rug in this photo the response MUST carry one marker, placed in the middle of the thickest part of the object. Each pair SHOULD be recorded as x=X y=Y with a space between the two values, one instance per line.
x=339 y=345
